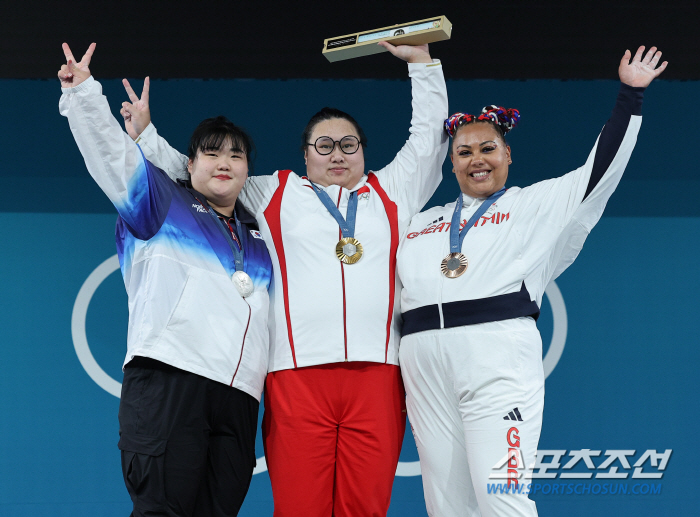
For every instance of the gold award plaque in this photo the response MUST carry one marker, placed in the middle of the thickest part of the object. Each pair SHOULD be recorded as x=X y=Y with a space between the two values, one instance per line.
x=365 y=43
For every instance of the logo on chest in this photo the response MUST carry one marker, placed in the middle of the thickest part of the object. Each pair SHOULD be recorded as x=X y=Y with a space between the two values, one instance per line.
x=440 y=226
x=363 y=193
x=199 y=208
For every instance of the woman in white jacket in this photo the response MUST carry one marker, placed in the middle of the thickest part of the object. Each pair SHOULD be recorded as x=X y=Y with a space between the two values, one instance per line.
x=471 y=354
x=197 y=277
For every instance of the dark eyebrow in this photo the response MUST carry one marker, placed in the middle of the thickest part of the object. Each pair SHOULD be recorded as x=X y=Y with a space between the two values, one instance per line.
x=482 y=143
x=218 y=149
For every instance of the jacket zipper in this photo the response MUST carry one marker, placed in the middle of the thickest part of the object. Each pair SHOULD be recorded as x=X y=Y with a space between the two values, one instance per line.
x=242 y=343
x=342 y=276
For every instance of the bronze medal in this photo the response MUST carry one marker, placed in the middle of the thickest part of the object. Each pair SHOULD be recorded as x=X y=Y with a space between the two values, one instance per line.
x=454 y=265
x=349 y=250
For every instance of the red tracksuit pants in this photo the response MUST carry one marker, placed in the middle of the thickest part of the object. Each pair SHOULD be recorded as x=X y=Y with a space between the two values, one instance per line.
x=332 y=436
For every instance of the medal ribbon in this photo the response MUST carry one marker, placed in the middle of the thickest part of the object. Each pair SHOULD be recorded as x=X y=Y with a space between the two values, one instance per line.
x=347 y=227
x=456 y=235
x=237 y=252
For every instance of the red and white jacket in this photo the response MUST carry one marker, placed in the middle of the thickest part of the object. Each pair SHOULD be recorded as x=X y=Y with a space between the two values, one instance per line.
x=325 y=311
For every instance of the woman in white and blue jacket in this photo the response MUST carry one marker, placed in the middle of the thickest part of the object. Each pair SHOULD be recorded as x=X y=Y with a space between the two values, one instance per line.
x=197 y=274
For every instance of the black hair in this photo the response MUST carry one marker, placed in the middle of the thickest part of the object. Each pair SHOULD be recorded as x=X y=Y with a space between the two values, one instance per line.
x=211 y=134
x=329 y=114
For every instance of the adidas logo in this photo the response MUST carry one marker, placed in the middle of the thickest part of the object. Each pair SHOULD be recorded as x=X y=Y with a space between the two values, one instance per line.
x=514 y=415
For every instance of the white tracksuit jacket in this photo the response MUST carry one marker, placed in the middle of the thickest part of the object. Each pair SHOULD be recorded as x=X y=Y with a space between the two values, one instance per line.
x=471 y=354
x=525 y=240
x=176 y=262
x=325 y=311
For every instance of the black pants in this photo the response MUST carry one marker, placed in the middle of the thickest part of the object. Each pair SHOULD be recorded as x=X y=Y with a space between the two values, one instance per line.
x=187 y=442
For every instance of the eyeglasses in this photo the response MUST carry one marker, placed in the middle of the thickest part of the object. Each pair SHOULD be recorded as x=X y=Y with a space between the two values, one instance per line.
x=324 y=144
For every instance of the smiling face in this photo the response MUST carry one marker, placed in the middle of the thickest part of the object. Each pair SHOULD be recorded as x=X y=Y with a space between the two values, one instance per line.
x=336 y=168
x=480 y=158
x=219 y=174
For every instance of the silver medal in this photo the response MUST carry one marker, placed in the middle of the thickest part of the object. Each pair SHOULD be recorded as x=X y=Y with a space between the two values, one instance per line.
x=243 y=283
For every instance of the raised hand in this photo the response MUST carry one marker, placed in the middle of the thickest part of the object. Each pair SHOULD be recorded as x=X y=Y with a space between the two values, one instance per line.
x=137 y=114
x=640 y=71
x=409 y=53
x=72 y=74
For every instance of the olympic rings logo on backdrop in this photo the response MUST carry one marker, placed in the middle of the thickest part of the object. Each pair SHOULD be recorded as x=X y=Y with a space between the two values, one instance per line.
x=113 y=387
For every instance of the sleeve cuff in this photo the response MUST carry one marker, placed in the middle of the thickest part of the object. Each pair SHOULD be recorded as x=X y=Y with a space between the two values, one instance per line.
x=422 y=66
x=147 y=134
x=630 y=99
x=82 y=87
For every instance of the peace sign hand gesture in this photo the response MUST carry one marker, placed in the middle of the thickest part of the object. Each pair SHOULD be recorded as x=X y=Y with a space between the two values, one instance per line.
x=137 y=114
x=72 y=74
x=641 y=72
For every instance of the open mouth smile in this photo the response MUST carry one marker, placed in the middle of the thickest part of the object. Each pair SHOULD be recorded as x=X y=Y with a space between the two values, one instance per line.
x=480 y=175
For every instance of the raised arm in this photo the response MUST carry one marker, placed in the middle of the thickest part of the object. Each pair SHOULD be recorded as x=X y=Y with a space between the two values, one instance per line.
x=592 y=185
x=616 y=142
x=635 y=76
x=583 y=193
x=416 y=171
x=112 y=158
x=137 y=121
x=257 y=190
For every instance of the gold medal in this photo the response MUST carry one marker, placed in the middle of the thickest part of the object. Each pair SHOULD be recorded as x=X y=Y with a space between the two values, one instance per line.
x=454 y=265
x=349 y=250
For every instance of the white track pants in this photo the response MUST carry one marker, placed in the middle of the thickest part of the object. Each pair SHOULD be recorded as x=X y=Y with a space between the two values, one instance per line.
x=460 y=385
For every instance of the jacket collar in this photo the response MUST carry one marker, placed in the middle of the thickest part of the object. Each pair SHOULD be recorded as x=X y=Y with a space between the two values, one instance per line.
x=242 y=214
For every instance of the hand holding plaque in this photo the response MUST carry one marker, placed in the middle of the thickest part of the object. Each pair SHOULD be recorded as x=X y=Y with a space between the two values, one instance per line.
x=409 y=53
x=413 y=34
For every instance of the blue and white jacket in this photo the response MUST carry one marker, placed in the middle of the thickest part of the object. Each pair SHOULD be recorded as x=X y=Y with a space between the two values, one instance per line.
x=175 y=259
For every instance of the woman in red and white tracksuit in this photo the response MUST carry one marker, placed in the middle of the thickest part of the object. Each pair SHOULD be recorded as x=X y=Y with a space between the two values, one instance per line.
x=471 y=354
x=334 y=400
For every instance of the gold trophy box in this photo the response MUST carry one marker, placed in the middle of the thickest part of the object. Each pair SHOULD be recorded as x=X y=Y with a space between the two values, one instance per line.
x=365 y=43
